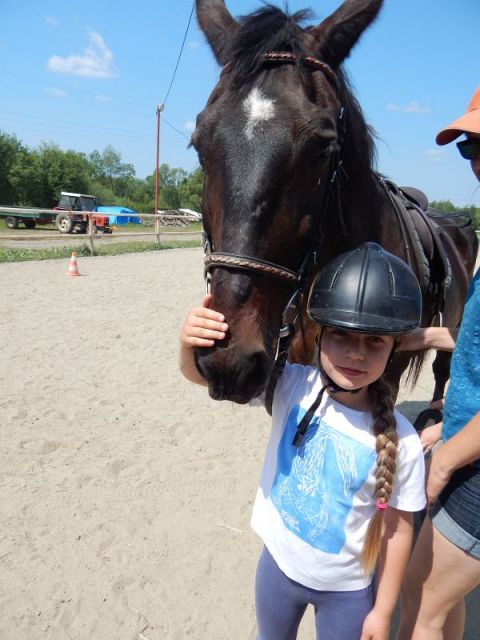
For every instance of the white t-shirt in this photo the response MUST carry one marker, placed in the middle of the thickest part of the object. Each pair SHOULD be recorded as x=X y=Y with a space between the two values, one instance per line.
x=314 y=502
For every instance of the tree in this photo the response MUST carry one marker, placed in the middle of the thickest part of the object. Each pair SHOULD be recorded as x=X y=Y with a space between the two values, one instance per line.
x=169 y=181
x=57 y=171
x=449 y=207
x=191 y=190
x=443 y=205
x=12 y=156
x=107 y=168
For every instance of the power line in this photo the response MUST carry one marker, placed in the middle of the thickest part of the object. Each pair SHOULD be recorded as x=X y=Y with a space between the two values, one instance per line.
x=180 y=54
x=175 y=128
x=64 y=87
x=15 y=116
x=112 y=108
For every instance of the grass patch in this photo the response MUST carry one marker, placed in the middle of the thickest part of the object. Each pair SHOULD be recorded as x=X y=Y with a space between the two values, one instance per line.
x=149 y=225
x=21 y=255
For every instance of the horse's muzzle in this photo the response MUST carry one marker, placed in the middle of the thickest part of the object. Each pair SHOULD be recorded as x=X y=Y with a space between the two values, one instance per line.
x=233 y=375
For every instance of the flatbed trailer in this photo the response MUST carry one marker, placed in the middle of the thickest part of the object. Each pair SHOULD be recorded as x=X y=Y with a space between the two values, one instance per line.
x=65 y=220
x=27 y=216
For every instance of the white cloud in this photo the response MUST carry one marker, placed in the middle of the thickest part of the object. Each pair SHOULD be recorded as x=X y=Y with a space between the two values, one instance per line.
x=96 y=61
x=411 y=107
x=193 y=44
x=57 y=93
x=52 y=21
x=435 y=153
x=102 y=98
x=190 y=125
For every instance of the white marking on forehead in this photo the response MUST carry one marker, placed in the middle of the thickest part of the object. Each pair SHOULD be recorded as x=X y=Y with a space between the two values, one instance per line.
x=259 y=109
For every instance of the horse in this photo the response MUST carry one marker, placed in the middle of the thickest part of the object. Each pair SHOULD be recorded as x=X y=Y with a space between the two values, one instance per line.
x=289 y=183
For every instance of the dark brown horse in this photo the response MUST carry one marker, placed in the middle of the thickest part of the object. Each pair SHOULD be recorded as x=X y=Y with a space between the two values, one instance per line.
x=289 y=183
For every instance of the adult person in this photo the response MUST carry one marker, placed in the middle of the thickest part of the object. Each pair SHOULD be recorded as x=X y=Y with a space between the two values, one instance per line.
x=343 y=470
x=445 y=563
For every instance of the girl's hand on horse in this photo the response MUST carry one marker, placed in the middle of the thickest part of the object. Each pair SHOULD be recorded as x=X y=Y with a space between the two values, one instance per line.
x=203 y=326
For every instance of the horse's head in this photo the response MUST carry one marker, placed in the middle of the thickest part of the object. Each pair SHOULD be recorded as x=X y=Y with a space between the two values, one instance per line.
x=268 y=140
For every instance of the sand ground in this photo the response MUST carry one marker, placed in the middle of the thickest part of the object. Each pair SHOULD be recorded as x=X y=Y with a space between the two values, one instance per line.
x=125 y=492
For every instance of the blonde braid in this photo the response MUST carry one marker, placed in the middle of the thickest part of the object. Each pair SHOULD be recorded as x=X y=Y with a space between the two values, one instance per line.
x=385 y=429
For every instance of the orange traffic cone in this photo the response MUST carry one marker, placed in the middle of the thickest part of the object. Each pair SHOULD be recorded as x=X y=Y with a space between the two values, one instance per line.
x=73 y=266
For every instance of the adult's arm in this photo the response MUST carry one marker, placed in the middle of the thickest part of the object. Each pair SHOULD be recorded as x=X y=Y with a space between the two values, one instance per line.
x=442 y=338
x=459 y=451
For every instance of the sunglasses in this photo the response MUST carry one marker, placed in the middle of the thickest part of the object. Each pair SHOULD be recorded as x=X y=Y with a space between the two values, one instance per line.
x=469 y=149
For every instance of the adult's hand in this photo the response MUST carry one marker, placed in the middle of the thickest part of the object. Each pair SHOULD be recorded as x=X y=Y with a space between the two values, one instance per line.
x=437 y=476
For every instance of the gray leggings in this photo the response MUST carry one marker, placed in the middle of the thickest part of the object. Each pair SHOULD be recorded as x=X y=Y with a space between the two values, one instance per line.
x=281 y=602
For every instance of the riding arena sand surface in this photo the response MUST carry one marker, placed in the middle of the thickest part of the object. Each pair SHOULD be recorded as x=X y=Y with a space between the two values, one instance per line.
x=125 y=491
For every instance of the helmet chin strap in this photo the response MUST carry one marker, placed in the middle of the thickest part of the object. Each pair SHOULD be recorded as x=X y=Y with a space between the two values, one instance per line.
x=330 y=384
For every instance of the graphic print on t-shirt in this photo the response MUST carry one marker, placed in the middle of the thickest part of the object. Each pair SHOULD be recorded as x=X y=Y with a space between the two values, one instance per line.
x=314 y=485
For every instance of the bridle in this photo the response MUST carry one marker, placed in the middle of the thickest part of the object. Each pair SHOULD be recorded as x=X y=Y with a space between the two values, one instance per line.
x=214 y=259
x=298 y=279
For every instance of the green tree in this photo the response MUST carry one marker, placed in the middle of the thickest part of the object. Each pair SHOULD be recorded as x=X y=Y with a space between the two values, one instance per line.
x=169 y=181
x=139 y=195
x=443 y=205
x=12 y=157
x=449 y=207
x=57 y=171
x=107 y=168
x=191 y=189
x=25 y=179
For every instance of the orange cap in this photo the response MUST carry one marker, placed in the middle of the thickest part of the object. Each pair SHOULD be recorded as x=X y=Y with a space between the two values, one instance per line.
x=468 y=123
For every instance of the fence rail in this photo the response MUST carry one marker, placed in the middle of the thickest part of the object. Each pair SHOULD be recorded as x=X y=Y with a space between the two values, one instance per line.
x=160 y=220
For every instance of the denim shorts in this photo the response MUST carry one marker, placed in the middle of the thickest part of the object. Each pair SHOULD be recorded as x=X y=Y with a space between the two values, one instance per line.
x=456 y=515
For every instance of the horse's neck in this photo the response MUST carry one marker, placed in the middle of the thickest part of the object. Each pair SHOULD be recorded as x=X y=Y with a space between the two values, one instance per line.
x=362 y=210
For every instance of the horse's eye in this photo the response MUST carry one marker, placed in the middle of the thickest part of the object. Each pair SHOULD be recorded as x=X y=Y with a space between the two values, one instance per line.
x=318 y=150
x=321 y=154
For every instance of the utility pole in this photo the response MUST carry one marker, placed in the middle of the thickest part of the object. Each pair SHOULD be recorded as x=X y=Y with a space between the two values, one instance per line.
x=160 y=108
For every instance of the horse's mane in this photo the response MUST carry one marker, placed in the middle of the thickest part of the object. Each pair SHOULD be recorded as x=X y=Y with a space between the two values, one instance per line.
x=271 y=29
x=268 y=29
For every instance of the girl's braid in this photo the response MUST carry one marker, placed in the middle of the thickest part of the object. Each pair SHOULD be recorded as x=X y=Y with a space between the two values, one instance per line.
x=385 y=429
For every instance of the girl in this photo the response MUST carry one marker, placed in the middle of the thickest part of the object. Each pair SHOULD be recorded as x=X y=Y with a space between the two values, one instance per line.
x=343 y=471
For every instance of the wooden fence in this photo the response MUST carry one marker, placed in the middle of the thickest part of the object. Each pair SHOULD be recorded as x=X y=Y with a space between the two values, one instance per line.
x=166 y=219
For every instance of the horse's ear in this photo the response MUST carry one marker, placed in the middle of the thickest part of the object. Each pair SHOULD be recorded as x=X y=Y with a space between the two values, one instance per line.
x=217 y=24
x=337 y=34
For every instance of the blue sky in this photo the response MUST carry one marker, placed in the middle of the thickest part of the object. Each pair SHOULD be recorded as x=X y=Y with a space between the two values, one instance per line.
x=86 y=74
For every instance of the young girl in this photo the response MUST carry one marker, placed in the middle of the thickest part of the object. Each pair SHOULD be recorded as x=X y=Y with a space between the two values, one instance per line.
x=343 y=471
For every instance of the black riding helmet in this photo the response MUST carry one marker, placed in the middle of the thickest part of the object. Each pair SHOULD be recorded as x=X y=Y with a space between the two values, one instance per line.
x=367 y=290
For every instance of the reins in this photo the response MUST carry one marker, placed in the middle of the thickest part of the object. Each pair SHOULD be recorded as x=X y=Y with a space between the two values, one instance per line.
x=218 y=259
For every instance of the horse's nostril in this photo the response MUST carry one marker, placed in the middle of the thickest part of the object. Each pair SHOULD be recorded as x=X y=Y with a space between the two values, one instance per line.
x=201 y=362
x=253 y=373
x=238 y=381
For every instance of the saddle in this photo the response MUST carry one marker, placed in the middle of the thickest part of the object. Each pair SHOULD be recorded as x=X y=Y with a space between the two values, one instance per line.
x=423 y=229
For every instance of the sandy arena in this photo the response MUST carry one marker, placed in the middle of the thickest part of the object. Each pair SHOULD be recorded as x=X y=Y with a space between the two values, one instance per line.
x=125 y=491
